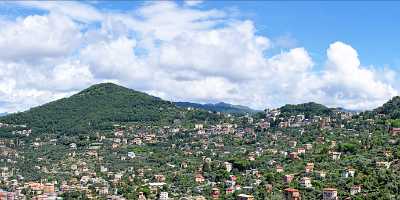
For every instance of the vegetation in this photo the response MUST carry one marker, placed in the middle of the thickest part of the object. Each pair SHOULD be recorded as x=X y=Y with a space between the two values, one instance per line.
x=218 y=107
x=123 y=139
x=390 y=108
x=308 y=109
x=98 y=108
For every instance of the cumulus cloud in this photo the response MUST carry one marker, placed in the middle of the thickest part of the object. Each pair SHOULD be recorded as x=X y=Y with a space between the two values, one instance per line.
x=347 y=81
x=38 y=37
x=177 y=52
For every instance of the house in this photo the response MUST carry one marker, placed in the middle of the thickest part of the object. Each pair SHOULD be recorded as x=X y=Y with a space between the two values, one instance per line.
x=159 y=178
x=245 y=197
x=333 y=144
x=119 y=133
x=141 y=196
x=137 y=141
x=321 y=139
x=279 y=169
x=103 y=190
x=336 y=155
x=215 y=193
x=199 y=198
x=388 y=153
x=394 y=131
x=198 y=126
x=309 y=168
x=271 y=151
x=283 y=124
x=292 y=143
x=72 y=146
x=155 y=187
x=288 y=178
x=308 y=146
x=228 y=166
x=163 y=196
x=383 y=164
x=48 y=188
x=293 y=155
x=305 y=182
x=184 y=165
x=268 y=188
x=349 y=172
x=291 y=194
x=131 y=154
x=265 y=125
x=229 y=190
x=320 y=174
x=355 y=189
x=199 y=178
x=301 y=150
x=329 y=194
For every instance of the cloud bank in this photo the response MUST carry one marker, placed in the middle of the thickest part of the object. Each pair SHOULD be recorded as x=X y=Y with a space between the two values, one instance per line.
x=176 y=51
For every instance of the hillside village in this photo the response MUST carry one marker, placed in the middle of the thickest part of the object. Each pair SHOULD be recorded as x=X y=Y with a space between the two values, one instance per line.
x=285 y=153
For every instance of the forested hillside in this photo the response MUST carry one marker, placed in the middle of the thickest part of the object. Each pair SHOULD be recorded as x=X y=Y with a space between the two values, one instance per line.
x=308 y=109
x=97 y=107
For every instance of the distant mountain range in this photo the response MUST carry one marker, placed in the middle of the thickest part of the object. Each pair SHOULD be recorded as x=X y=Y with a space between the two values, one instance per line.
x=218 y=107
x=3 y=114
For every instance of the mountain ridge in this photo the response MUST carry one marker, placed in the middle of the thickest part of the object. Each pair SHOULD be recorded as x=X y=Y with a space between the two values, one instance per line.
x=96 y=106
x=391 y=108
x=218 y=107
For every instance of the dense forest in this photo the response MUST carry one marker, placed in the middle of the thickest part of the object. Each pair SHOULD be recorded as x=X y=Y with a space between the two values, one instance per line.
x=308 y=109
x=98 y=107
x=218 y=107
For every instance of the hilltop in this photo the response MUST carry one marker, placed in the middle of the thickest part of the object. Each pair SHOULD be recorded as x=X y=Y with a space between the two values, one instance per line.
x=218 y=107
x=95 y=108
x=308 y=109
x=391 y=108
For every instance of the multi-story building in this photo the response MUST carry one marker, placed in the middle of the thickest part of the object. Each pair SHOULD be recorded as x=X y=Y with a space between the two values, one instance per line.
x=330 y=194
x=291 y=194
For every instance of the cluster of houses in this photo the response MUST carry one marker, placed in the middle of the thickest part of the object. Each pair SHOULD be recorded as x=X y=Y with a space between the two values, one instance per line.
x=205 y=146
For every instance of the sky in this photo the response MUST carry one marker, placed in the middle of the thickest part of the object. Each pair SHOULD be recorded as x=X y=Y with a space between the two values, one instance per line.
x=262 y=54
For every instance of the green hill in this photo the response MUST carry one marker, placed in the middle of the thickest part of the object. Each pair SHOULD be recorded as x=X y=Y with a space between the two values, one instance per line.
x=96 y=107
x=391 y=108
x=218 y=107
x=308 y=109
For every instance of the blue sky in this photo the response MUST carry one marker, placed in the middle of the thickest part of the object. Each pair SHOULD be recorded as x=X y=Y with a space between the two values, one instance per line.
x=256 y=53
x=370 y=26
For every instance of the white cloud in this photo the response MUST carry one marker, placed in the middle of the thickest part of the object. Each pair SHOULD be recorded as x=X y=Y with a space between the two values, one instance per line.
x=74 y=10
x=350 y=83
x=193 y=2
x=177 y=52
x=37 y=37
